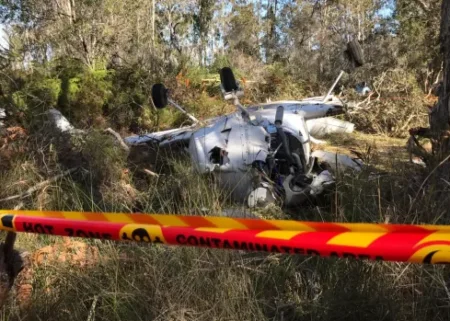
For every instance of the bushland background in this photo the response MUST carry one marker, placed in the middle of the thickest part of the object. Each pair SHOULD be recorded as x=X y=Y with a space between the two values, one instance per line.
x=95 y=61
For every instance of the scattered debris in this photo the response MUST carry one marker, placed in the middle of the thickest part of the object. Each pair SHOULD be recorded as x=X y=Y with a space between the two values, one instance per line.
x=419 y=153
x=71 y=252
x=11 y=134
x=339 y=161
x=363 y=88
x=418 y=161
x=75 y=253
x=260 y=197
x=321 y=182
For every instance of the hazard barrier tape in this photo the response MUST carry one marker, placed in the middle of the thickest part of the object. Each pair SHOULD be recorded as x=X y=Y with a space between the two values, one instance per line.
x=414 y=244
x=229 y=222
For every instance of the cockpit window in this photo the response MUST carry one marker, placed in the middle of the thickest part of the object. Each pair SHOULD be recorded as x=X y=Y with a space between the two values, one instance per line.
x=218 y=156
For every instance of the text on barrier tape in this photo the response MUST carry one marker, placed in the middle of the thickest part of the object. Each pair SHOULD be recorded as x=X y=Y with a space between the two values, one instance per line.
x=230 y=223
x=426 y=246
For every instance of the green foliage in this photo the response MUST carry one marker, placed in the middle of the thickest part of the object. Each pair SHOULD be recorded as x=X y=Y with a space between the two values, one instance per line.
x=27 y=95
x=419 y=29
x=38 y=94
x=87 y=95
x=18 y=99
x=243 y=36
x=219 y=62
x=203 y=105
x=47 y=91
x=129 y=105
x=196 y=75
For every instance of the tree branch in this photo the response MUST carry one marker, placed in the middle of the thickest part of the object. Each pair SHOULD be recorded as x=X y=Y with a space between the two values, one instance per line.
x=150 y=173
x=119 y=139
x=423 y=5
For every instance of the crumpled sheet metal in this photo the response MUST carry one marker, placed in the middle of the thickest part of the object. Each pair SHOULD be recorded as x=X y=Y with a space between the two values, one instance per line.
x=343 y=162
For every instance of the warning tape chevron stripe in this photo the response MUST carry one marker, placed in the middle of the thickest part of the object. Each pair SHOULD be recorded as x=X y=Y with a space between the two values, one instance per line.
x=422 y=245
x=228 y=222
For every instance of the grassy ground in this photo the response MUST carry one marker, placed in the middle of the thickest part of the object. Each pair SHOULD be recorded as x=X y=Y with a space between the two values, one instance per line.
x=100 y=280
x=380 y=151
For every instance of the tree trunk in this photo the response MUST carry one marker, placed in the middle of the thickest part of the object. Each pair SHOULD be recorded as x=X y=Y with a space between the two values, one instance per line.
x=153 y=24
x=272 y=16
x=439 y=118
x=10 y=265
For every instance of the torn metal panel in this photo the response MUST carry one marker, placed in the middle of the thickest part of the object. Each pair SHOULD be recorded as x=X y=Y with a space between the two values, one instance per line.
x=340 y=161
x=324 y=126
x=260 y=197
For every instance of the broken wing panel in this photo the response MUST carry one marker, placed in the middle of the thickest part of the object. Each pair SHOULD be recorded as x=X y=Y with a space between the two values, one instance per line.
x=158 y=136
x=309 y=109
x=328 y=125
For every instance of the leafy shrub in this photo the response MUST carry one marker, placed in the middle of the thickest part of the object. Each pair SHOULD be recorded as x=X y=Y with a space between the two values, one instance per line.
x=87 y=95
x=396 y=105
x=129 y=105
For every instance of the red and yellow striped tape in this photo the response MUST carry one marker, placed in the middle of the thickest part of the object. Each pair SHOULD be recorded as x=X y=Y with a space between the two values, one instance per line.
x=402 y=243
x=231 y=223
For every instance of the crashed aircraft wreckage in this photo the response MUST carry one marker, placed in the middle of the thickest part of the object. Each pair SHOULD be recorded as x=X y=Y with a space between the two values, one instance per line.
x=260 y=154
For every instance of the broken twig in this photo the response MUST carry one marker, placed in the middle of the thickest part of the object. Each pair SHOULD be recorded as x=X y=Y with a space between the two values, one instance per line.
x=119 y=139
x=38 y=186
x=149 y=172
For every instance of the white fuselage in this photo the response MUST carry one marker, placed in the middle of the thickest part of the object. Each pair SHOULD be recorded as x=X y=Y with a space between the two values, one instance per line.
x=227 y=146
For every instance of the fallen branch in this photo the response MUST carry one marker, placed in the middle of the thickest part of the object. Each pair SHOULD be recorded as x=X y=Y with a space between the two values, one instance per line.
x=38 y=186
x=119 y=139
x=406 y=124
x=149 y=172
x=425 y=181
x=414 y=148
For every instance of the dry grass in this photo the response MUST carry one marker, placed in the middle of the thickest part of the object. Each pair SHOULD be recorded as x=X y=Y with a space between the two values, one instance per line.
x=379 y=151
x=152 y=282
